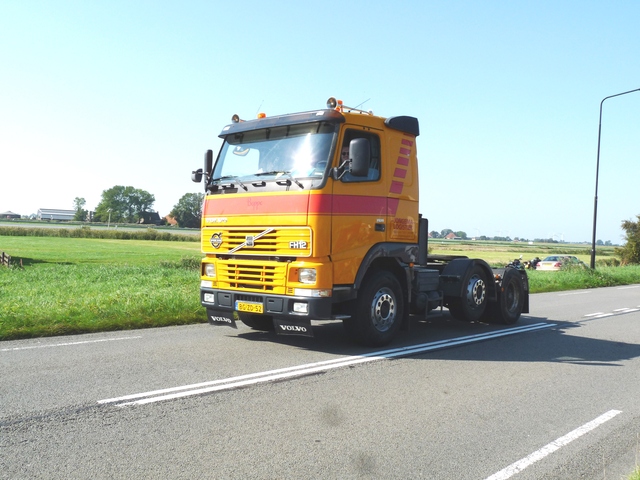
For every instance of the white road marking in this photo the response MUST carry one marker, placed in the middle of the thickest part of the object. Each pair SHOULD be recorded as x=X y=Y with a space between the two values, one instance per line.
x=552 y=447
x=307 y=369
x=628 y=287
x=616 y=311
x=581 y=292
x=68 y=344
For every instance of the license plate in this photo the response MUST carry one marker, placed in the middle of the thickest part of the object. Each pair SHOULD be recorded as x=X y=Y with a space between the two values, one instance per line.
x=249 y=307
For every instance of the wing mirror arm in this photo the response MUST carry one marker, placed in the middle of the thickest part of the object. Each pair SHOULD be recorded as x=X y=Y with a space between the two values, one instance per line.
x=207 y=171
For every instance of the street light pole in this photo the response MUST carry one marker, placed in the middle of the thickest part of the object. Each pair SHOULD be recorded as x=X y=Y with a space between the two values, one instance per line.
x=595 y=200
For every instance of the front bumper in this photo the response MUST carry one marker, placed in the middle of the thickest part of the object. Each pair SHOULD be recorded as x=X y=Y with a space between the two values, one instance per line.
x=277 y=306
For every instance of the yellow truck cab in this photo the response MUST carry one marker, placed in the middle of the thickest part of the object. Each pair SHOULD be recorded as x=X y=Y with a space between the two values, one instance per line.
x=315 y=216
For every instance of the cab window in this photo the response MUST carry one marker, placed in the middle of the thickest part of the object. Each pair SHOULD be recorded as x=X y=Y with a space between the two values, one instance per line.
x=374 y=164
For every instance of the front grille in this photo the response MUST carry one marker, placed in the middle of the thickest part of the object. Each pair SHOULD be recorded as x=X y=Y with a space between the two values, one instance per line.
x=255 y=276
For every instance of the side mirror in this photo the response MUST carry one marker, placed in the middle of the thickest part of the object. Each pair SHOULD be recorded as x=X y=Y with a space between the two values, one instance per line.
x=196 y=176
x=359 y=157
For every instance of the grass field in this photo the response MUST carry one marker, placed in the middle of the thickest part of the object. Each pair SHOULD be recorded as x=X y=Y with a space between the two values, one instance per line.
x=76 y=285
x=76 y=251
x=499 y=253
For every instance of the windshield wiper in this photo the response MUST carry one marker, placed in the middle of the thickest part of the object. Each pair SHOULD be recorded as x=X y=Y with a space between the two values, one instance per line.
x=230 y=177
x=281 y=172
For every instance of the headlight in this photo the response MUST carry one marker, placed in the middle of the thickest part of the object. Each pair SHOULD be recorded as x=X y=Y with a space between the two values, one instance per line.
x=312 y=292
x=300 y=307
x=209 y=269
x=307 y=275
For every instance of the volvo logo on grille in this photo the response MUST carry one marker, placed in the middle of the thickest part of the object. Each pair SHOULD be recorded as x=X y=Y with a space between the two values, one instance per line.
x=216 y=240
x=250 y=241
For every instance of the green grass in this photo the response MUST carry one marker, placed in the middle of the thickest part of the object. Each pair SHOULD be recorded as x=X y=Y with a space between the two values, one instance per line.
x=75 y=285
x=79 y=285
x=500 y=253
x=579 y=278
x=54 y=299
x=63 y=250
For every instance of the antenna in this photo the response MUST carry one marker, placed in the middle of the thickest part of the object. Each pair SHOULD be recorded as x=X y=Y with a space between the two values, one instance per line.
x=360 y=104
x=259 y=106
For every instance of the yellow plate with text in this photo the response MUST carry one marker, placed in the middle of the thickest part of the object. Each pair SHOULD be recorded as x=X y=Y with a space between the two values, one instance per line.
x=249 y=307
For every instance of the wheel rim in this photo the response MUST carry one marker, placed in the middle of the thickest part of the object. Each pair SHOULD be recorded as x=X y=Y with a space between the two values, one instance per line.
x=476 y=291
x=383 y=309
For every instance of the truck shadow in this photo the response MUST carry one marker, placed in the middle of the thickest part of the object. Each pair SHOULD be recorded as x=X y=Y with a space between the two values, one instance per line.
x=437 y=338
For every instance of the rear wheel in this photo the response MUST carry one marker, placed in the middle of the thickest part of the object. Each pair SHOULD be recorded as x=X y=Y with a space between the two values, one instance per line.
x=472 y=304
x=378 y=310
x=257 y=322
x=510 y=302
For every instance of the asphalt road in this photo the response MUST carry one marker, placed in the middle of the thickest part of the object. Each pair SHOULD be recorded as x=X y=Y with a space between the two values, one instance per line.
x=553 y=397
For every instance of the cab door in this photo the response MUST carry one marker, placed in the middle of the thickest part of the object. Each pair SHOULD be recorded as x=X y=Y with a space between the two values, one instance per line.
x=359 y=209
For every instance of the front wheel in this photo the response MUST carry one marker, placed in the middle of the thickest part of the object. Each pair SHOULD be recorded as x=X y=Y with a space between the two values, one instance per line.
x=378 y=310
x=472 y=304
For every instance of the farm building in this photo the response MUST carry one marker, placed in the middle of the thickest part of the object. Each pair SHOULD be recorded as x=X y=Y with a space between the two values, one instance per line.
x=150 y=217
x=55 y=214
x=9 y=215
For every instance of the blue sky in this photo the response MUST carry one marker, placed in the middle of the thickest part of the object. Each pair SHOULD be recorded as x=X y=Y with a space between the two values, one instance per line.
x=97 y=94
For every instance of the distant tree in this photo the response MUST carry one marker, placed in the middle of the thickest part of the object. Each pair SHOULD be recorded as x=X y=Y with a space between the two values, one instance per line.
x=78 y=206
x=445 y=232
x=608 y=243
x=124 y=204
x=188 y=210
x=435 y=234
x=545 y=240
x=461 y=234
x=599 y=242
x=630 y=251
x=140 y=202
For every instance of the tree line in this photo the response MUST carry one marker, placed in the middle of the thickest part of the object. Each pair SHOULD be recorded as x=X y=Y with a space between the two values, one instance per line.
x=121 y=204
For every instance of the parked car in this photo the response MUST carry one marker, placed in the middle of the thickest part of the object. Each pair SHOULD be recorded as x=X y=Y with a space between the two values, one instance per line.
x=558 y=262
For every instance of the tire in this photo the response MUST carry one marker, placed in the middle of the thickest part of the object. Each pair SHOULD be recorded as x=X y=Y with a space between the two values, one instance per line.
x=378 y=310
x=257 y=322
x=508 y=307
x=471 y=306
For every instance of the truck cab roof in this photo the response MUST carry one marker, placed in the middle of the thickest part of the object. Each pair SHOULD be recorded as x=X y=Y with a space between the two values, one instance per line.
x=404 y=124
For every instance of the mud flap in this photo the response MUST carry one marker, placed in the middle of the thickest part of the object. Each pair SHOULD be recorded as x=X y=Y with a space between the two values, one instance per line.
x=221 y=318
x=286 y=327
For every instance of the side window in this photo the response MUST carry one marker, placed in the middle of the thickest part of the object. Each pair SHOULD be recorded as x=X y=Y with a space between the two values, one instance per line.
x=374 y=164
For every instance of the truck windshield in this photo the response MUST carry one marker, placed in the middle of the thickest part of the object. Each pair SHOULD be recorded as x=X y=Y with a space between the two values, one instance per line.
x=302 y=151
